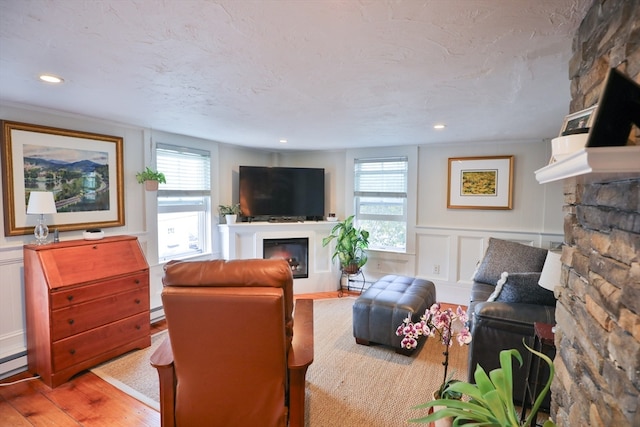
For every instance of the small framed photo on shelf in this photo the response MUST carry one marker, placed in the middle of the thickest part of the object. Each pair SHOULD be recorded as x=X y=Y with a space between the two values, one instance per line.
x=579 y=122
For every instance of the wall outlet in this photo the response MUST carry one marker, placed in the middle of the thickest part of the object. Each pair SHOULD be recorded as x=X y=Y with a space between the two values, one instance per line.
x=436 y=268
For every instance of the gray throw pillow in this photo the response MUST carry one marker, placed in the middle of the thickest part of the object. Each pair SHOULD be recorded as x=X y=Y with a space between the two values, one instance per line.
x=523 y=288
x=513 y=257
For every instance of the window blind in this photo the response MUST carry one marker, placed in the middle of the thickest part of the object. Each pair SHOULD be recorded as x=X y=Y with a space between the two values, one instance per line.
x=187 y=170
x=381 y=177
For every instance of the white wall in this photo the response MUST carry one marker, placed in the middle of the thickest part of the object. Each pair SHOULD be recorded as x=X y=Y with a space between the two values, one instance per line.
x=529 y=212
x=450 y=242
x=454 y=240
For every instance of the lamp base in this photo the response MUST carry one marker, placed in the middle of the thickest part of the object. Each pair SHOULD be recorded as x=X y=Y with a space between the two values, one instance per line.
x=41 y=232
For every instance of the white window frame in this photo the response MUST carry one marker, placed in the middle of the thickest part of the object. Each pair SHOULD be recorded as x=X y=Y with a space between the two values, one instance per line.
x=181 y=202
x=411 y=153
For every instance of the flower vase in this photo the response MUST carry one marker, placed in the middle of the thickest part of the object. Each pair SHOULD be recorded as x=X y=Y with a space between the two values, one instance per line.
x=230 y=219
x=442 y=422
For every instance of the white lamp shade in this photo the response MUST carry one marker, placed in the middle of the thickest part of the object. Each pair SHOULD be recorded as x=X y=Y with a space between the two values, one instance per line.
x=41 y=202
x=550 y=276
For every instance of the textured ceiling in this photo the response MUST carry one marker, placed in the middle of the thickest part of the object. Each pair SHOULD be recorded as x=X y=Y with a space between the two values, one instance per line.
x=322 y=74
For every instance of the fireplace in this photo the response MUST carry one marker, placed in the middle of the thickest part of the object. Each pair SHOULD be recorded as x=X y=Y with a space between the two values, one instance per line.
x=295 y=251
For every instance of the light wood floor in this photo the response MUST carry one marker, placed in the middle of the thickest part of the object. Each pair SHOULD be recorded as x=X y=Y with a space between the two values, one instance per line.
x=86 y=400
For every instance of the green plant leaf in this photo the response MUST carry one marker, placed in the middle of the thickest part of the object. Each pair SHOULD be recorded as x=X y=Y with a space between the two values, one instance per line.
x=454 y=408
x=506 y=390
x=497 y=408
x=482 y=380
x=327 y=240
x=545 y=389
x=465 y=388
x=490 y=399
x=350 y=243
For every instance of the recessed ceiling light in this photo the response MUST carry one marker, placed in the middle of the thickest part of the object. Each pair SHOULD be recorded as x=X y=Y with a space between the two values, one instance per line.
x=50 y=78
x=283 y=141
x=439 y=126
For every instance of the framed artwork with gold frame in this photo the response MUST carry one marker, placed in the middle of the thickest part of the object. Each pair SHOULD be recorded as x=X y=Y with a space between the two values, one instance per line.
x=83 y=170
x=480 y=182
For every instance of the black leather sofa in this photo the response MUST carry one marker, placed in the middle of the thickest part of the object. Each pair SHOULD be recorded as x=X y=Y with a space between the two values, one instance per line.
x=504 y=322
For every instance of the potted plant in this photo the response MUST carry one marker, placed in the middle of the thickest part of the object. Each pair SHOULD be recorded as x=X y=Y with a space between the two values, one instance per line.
x=150 y=178
x=230 y=212
x=443 y=323
x=490 y=399
x=351 y=243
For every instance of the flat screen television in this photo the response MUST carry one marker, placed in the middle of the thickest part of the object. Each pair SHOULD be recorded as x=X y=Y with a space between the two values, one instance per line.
x=282 y=192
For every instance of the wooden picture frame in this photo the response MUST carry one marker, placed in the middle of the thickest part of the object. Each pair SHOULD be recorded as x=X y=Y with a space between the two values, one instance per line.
x=480 y=182
x=83 y=170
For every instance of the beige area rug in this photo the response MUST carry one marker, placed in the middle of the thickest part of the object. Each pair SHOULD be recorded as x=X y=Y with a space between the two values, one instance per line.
x=347 y=385
x=133 y=374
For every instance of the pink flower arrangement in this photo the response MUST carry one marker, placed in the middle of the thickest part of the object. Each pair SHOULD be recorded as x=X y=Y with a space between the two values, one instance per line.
x=435 y=321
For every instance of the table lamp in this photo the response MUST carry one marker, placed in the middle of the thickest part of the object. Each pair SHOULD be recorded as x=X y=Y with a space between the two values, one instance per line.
x=41 y=202
x=551 y=270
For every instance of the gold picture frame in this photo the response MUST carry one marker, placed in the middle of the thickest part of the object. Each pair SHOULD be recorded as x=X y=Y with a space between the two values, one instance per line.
x=480 y=182
x=83 y=170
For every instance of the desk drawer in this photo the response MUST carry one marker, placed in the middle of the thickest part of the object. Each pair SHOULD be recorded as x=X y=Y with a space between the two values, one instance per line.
x=78 y=348
x=82 y=317
x=80 y=294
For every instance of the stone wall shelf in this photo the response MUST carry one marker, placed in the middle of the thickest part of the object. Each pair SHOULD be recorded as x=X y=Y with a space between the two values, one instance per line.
x=592 y=160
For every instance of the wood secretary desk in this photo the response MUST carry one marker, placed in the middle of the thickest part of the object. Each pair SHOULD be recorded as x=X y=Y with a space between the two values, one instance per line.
x=87 y=301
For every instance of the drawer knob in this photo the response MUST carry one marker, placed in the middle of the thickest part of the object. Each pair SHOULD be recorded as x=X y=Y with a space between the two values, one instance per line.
x=138 y=327
x=71 y=321
x=70 y=297
x=72 y=351
x=137 y=281
x=137 y=301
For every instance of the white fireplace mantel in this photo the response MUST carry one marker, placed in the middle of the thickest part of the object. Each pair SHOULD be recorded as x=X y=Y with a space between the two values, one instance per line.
x=244 y=240
x=591 y=161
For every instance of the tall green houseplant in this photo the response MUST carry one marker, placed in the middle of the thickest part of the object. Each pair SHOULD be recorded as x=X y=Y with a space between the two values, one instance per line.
x=351 y=243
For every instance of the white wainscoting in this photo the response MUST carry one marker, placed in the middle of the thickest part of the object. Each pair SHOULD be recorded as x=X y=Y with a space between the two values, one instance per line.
x=448 y=257
x=13 y=338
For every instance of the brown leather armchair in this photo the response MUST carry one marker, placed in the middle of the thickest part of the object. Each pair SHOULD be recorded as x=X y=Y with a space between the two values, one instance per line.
x=234 y=355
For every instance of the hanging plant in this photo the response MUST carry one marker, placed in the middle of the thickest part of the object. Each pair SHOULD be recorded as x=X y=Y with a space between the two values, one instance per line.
x=150 y=178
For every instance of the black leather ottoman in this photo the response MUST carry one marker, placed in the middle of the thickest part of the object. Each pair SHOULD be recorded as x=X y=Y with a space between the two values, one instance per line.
x=379 y=311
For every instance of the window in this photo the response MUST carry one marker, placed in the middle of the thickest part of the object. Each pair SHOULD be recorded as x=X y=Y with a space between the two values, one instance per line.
x=184 y=202
x=380 y=197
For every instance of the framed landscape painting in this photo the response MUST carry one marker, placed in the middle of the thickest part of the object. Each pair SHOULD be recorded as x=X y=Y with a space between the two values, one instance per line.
x=82 y=170
x=480 y=182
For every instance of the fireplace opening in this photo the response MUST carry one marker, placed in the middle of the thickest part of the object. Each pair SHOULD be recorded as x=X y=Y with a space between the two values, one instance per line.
x=295 y=251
